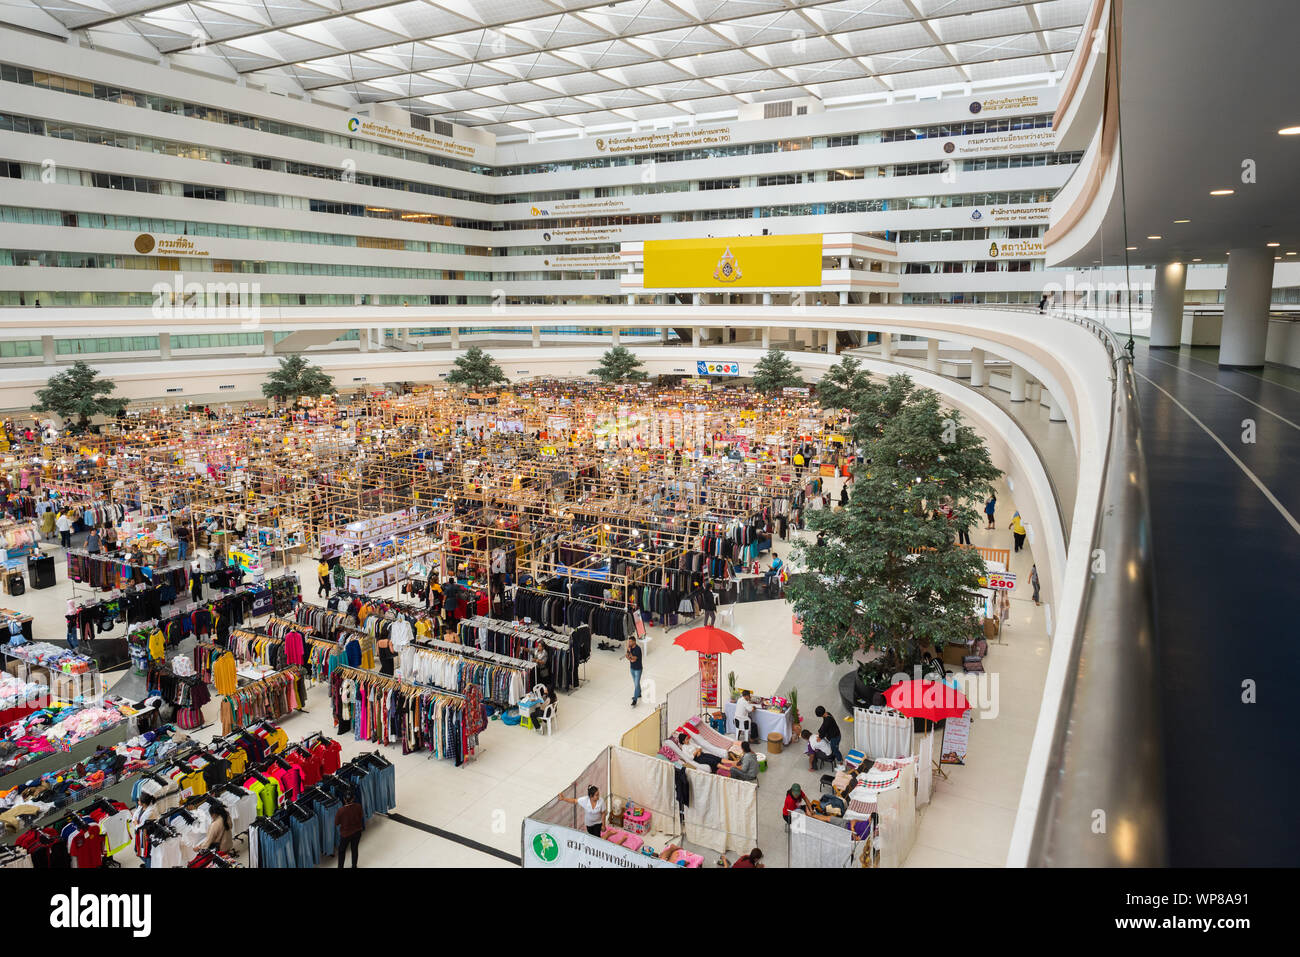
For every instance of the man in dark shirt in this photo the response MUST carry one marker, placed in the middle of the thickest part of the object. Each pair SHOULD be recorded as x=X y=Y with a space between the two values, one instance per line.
x=831 y=732
x=708 y=604
x=634 y=660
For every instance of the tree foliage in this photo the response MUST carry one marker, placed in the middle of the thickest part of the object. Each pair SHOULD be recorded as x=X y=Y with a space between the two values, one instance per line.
x=76 y=395
x=476 y=370
x=774 y=372
x=296 y=378
x=836 y=388
x=889 y=575
x=619 y=365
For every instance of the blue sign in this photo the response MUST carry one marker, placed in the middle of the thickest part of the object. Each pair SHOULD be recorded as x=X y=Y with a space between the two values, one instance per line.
x=717 y=368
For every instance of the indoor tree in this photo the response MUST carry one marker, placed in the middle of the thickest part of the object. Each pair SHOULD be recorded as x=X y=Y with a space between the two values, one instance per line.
x=76 y=395
x=619 y=365
x=889 y=576
x=774 y=372
x=476 y=370
x=296 y=378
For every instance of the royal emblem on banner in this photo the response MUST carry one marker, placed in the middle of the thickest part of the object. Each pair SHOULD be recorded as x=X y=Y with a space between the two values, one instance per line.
x=728 y=269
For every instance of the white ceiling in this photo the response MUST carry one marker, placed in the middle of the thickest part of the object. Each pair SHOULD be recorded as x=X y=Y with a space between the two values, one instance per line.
x=534 y=66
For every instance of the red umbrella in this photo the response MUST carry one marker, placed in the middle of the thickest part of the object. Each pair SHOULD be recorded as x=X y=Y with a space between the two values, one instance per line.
x=708 y=641
x=931 y=700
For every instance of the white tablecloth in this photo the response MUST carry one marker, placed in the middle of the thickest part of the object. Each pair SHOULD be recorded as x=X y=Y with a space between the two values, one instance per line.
x=765 y=722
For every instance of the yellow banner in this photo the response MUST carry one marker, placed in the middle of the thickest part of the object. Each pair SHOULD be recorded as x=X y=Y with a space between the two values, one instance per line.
x=734 y=262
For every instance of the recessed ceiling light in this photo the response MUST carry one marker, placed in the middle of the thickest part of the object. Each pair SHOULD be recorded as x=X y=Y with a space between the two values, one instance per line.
x=1196 y=260
x=1222 y=192
x=1291 y=254
x=1289 y=131
x=1155 y=237
x=1130 y=247
x=1182 y=220
x=1271 y=245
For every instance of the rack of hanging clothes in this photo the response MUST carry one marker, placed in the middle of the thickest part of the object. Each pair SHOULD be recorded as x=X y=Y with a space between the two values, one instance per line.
x=186 y=693
x=384 y=710
x=105 y=573
x=293 y=635
x=271 y=697
x=443 y=664
x=338 y=628
x=253 y=647
x=564 y=653
x=556 y=605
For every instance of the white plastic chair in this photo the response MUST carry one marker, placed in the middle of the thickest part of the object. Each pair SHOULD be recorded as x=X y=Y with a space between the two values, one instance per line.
x=742 y=729
x=548 y=715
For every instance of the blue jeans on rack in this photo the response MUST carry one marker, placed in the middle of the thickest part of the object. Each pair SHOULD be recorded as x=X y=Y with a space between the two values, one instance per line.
x=306 y=841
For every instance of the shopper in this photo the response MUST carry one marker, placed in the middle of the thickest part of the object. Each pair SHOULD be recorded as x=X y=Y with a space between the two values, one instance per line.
x=146 y=810
x=351 y=821
x=1017 y=531
x=990 y=507
x=708 y=603
x=1042 y=303
x=110 y=539
x=384 y=647
x=64 y=525
x=48 y=518
x=844 y=495
x=774 y=570
x=753 y=859
x=747 y=769
x=830 y=731
x=219 y=831
x=593 y=809
x=92 y=542
x=1033 y=581
x=634 y=661
x=963 y=531
x=322 y=578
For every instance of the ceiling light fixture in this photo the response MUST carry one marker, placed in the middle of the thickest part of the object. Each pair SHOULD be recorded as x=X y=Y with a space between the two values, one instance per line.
x=1155 y=237
x=1271 y=245
x=1196 y=260
x=1222 y=192
x=1130 y=247
x=1289 y=131
x=1176 y=221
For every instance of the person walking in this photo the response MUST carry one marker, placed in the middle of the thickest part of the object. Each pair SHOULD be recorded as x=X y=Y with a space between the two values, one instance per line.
x=844 y=495
x=64 y=525
x=351 y=821
x=322 y=578
x=1018 y=531
x=990 y=508
x=1042 y=304
x=1033 y=581
x=593 y=809
x=830 y=731
x=634 y=661
x=708 y=604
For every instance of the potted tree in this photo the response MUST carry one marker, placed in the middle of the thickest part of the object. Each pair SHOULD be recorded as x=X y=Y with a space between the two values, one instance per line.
x=889 y=581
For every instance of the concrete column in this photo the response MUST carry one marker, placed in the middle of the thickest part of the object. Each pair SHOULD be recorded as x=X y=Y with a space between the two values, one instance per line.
x=886 y=345
x=165 y=345
x=614 y=334
x=767 y=333
x=1245 y=309
x=844 y=262
x=977 y=376
x=537 y=337
x=455 y=337
x=695 y=336
x=47 y=349
x=767 y=299
x=832 y=342
x=932 y=355
x=844 y=299
x=1054 y=411
x=1017 y=384
x=663 y=335
x=631 y=299
x=363 y=337
x=1167 y=306
x=1033 y=391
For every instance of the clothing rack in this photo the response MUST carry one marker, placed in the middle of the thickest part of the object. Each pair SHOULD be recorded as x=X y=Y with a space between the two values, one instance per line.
x=271 y=697
x=504 y=683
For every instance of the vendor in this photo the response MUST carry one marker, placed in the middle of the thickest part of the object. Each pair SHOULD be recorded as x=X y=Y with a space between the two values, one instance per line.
x=795 y=800
x=593 y=810
x=535 y=713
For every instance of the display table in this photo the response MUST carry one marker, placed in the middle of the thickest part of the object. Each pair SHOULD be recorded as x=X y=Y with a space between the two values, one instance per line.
x=764 y=722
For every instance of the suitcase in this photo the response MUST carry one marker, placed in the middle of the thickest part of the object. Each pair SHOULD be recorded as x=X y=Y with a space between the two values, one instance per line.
x=40 y=571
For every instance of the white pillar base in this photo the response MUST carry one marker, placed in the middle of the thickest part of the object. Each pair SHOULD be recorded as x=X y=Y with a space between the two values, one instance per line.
x=977 y=377
x=1018 y=384
x=1167 y=306
x=932 y=355
x=1244 y=340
